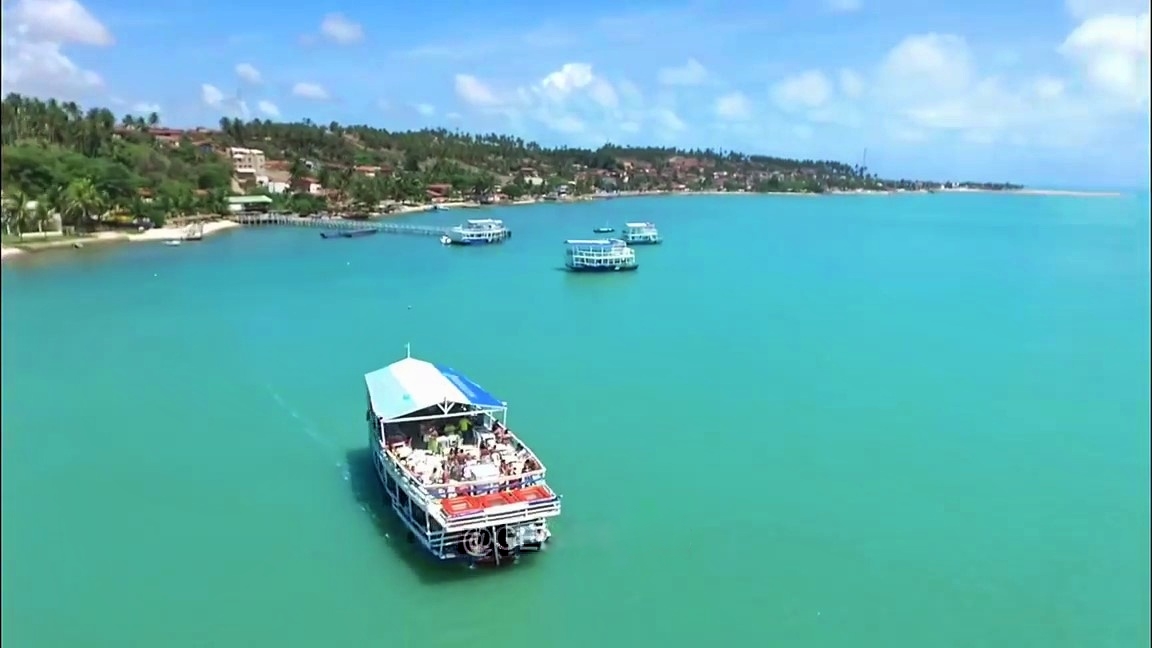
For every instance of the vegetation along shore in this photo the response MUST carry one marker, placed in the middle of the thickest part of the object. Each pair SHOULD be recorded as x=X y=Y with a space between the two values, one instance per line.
x=72 y=176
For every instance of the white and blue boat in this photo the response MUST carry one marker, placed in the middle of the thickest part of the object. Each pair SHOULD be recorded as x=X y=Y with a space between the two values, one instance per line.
x=641 y=234
x=599 y=255
x=463 y=484
x=481 y=231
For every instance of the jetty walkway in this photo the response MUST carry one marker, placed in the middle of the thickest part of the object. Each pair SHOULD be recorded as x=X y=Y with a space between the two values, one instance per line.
x=336 y=223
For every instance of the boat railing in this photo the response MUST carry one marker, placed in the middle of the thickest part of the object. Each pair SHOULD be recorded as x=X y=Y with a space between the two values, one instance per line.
x=473 y=487
x=484 y=486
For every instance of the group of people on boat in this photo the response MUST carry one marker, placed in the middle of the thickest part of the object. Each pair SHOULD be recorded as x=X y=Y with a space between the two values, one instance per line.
x=455 y=451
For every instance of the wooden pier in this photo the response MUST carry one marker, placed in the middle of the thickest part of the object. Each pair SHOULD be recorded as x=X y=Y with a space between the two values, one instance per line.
x=336 y=224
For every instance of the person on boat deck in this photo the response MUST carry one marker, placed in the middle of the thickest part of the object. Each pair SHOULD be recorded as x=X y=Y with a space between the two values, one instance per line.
x=464 y=424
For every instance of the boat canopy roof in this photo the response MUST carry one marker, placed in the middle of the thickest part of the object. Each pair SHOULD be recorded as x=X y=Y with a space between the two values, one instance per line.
x=638 y=225
x=410 y=385
x=594 y=242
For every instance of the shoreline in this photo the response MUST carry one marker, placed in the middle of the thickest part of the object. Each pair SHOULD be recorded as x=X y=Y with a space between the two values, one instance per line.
x=35 y=242
x=39 y=242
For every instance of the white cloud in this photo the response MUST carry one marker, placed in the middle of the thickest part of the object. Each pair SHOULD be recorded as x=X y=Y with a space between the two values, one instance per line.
x=338 y=29
x=32 y=59
x=454 y=116
x=59 y=21
x=851 y=84
x=475 y=92
x=268 y=108
x=669 y=121
x=145 y=108
x=1048 y=87
x=1082 y=9
x=1111 y=52
x=248 y=72
x=733 y=106
x=691 y=73
x=932 y=83
x=574 y=100
x=311 y=91
x=806 y=90
x=844 y=6
x=424 y=109
x=212 y=97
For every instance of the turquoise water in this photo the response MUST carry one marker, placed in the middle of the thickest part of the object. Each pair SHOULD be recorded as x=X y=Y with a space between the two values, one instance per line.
x=837 y=421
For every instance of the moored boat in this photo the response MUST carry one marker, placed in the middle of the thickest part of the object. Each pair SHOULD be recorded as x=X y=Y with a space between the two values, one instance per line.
x=481 y=231
x=466 y=488
x=599 y=255
x=641 y=234
x=356 y=233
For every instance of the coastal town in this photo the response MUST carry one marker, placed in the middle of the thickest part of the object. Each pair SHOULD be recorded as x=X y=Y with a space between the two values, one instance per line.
x=77 y=172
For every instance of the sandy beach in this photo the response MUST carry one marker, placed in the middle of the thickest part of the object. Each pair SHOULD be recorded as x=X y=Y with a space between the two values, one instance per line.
x=1037 y=192
x=169 y=233
x=39 y=241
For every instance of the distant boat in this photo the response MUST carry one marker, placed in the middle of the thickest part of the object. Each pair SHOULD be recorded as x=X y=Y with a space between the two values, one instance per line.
x=481 y=231
x=604 y=230
x=356 y=233
x=172 y=242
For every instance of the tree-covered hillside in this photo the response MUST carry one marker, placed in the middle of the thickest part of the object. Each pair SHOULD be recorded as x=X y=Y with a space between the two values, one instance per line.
x=86 y=164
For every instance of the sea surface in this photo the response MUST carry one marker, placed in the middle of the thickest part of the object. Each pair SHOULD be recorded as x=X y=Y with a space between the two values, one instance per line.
x=911 y=420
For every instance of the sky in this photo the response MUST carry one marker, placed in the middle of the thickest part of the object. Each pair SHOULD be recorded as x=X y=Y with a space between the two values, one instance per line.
x=1049 y=93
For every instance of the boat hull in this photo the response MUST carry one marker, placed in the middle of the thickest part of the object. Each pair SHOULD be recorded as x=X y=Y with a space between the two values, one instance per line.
x=621 y=268
x=474 y=242
x=491 y=554
x=349 y=233
x=634 y=243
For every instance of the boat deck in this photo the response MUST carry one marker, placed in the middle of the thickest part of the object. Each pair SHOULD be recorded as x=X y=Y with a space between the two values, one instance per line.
x=457 y=460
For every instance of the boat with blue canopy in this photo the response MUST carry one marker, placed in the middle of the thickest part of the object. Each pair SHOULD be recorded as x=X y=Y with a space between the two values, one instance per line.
x=464 y=485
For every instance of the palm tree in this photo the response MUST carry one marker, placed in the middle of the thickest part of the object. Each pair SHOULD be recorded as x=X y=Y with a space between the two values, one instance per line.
x=16 y=213
x=83 y=203
x=42 y=213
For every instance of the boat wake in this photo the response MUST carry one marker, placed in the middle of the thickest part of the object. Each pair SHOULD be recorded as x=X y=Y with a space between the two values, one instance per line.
x=310 y=431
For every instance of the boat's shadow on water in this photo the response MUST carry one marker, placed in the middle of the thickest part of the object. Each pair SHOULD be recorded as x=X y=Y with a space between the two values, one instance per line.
x=369 y=493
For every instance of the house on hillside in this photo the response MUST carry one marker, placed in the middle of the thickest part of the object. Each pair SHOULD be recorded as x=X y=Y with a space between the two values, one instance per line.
x=439 y=192
x=238 y=204
x=306 y=185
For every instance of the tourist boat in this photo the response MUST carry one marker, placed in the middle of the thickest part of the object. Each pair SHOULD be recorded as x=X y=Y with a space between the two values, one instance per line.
x=481 y=231
x=606 y=229
x=599 y=255
x=356 y=233
x=466 y=488
x=194 y=232
x=641 y=234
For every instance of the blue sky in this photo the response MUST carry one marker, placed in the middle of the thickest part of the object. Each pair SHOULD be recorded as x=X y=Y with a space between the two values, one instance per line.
x=1046 y=93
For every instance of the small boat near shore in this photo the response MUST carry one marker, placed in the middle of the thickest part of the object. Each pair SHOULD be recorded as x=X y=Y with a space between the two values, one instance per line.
x=356 y=233
x=173 y=242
